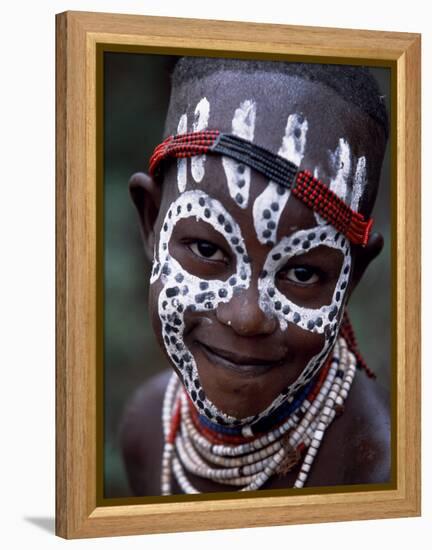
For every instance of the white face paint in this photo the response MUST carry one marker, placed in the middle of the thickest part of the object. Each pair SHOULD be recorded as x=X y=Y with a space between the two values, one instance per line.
x=182 y=163
x=315 y=320
x=268 y=206
x=182 y=291
x=319 y=219
x=341 y=160
x=294 y=140
x=359 y=183
x=202 y=113
x=237 y=174
x=321 y=320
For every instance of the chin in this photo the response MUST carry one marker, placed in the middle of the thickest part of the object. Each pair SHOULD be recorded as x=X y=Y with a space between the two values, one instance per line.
x=240 y=390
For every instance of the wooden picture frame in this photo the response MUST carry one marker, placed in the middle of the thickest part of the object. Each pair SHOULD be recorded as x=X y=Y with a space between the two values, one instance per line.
x=81 y=38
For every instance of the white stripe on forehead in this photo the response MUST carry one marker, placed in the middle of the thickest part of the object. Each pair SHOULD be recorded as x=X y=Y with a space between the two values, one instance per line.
x=202 y=113
x=294 y=140
x=237 y=174
x=359 y=183
x=182 y=163
x=243 y=123
x=341 y=161
x=319 y=219
x=269 y=205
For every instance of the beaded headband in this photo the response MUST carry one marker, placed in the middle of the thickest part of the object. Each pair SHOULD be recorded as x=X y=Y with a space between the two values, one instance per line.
x=303 y=185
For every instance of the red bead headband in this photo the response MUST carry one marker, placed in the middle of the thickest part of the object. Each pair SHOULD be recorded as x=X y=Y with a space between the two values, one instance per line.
x=308 y=189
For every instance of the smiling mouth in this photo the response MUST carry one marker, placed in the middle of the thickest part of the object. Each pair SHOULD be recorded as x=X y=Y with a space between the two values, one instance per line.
x=240 y=364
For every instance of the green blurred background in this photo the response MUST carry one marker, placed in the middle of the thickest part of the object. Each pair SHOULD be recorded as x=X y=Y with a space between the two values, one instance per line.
x=136 y=94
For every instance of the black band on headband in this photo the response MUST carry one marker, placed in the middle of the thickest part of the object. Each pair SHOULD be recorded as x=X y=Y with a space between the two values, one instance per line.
x=273 y=167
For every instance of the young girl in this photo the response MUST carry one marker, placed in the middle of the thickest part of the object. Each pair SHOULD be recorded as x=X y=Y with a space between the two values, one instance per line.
x=256 y=214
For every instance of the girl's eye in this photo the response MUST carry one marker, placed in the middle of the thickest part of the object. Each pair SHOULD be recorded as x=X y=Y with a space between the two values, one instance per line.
x=302 y=275
x=209 y=251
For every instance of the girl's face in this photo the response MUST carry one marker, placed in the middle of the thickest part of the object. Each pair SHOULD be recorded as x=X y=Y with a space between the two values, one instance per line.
x=245 y=323
x=248 y=284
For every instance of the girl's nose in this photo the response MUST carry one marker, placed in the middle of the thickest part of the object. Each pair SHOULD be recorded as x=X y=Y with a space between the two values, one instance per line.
x=244 y=315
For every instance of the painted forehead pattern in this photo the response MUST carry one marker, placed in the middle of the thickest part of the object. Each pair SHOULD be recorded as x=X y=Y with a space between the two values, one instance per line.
x=338 y=202
x=268 y=206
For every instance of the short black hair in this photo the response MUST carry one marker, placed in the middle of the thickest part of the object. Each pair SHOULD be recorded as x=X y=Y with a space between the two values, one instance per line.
x=355 y=84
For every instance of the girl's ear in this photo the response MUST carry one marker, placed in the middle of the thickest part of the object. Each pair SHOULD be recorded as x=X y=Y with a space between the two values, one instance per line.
x=146 y=195
x=363 y=257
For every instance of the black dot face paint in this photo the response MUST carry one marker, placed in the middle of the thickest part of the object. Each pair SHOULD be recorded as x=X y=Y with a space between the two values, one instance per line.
x=268 y=206
x=322 y=320
x=183 y=291
x=238 y=175
x=292 y=246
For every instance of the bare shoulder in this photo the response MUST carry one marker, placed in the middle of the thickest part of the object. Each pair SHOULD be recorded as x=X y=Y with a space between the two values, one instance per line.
x=366 y=426
x=141 y=436
x=356 y=448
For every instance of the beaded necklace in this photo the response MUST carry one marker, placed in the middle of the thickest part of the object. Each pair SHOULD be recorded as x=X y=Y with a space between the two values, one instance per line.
x=247 y=462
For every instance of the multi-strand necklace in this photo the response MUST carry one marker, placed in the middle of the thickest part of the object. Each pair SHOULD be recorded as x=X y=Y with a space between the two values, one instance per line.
x=246 y=462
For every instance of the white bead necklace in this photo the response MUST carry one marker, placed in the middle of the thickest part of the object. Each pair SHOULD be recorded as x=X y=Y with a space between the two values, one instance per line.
x=249 y=465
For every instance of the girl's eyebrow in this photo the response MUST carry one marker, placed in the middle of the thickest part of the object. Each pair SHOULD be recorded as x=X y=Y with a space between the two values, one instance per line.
x=321 y=259
x=201 y=230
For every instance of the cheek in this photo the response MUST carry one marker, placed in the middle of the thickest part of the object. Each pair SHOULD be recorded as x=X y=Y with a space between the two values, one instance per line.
x=305 y=343
x=153 y=297
x=302 y=346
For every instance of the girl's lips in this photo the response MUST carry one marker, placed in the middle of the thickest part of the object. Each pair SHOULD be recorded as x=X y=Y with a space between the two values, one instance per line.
x=239 y=363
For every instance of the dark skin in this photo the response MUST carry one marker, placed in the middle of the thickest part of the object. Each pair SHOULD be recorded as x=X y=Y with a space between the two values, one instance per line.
x=243 y=357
